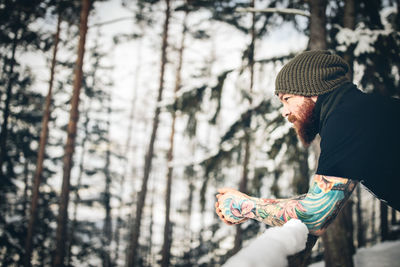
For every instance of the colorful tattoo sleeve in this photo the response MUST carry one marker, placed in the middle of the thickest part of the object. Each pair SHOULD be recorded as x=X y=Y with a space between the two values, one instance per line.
x=316 y=209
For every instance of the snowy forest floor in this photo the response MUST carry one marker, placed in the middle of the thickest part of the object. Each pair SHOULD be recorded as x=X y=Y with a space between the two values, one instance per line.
x=384 y=254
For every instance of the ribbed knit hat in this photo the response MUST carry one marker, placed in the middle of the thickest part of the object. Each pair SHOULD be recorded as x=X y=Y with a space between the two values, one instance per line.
x=312 y=73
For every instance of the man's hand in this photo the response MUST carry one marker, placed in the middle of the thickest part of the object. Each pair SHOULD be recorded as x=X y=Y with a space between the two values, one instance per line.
x=234 y=207
x=316 y=209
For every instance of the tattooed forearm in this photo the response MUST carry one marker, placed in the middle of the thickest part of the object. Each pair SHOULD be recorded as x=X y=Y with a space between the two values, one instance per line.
x=316 y=209
x=324 y=200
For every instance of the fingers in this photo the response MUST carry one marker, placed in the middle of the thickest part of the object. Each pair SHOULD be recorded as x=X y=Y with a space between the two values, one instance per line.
x=220 y=215
x=218 y=211
x=222 y=192
x=223 y=218
x=225 y=190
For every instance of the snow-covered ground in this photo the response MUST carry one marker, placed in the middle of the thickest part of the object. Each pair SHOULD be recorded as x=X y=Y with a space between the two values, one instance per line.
x=386 y=254
x=272 y=247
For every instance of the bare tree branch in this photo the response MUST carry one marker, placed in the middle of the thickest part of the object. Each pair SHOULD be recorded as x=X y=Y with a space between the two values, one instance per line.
x=290 y=11
x=111 y=21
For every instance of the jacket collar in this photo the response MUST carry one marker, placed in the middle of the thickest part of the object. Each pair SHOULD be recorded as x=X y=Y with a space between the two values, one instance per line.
x=326 y=103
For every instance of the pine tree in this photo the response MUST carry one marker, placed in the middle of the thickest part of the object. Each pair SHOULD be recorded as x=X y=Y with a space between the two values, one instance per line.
x=41 y=152
x=339 y=237
x=166 y=249
x=16 y=35
x=247 y=136
x=133 y=255
x=62 y=219
x=140 y=21
x=107 y=227
x=20 y=107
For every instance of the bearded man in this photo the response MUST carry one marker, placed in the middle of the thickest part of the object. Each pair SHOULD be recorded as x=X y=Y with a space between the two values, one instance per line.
x=360 y=142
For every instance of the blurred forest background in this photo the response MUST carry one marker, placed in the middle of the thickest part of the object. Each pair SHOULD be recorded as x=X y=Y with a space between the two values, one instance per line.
x=121 y=119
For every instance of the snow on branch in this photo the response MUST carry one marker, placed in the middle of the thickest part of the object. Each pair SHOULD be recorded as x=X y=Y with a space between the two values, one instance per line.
x=290 y=11
x=277 y=58
x=272 y=248
x=362 y=37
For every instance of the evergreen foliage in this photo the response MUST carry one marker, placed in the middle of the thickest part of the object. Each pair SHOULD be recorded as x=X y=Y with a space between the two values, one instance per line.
x=210 y=137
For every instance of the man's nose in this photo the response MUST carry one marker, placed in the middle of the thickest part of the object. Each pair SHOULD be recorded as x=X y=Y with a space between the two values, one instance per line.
x=285 y=112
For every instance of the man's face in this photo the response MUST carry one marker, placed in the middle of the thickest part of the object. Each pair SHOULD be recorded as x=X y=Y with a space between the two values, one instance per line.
x=299 y=111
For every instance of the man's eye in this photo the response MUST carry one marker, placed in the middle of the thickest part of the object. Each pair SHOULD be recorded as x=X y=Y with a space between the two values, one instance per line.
x=286 y=98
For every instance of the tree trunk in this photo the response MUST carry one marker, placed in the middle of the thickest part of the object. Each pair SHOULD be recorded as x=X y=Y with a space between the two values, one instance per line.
x=107 y=227
x=393 y=219
x=77 y=197
x=301 y=180
x=360 y=222
x=6 y=114
x=300 y=185
x=62 y=218
x=242 y=188
x=317 y=24
x=41 y=153
x=128 y=146
x=26 y=187
x=337 y=252
x=133 y=252
x=349 y=22
x=338 y=241
x=302 y=258
x=166 y=249
x=384 y=221
x=150 y=244
x=188 y=260
x=373 y=218
x=247 y=138
x=397 y=21
x=107 y=220
x=82 y=157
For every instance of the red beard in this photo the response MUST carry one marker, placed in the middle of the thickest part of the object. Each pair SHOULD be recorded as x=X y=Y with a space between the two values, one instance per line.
x=306 y=124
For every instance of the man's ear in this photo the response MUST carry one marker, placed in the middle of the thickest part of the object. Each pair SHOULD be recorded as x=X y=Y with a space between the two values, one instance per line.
x=314 y=98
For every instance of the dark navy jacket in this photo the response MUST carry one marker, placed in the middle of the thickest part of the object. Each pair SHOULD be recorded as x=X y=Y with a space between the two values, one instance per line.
x=360 y=140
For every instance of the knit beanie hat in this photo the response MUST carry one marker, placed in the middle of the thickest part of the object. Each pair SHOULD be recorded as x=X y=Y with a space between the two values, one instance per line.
x=312 y=73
